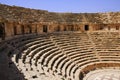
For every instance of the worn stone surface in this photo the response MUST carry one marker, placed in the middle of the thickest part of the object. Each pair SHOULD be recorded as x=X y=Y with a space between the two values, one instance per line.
x=73 y=44
x=20 y=20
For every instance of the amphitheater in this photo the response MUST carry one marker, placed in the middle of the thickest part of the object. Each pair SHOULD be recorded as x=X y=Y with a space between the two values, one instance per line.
x=42 y=45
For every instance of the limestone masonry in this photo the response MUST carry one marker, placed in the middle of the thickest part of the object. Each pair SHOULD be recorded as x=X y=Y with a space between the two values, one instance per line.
x=42 y=45
x=19 y=20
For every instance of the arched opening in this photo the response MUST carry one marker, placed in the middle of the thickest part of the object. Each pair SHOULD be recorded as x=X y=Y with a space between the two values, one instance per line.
x=117 y=27
x=15 y=30
x=2 y=31
x=45 y=28
x=36 y=29
x=22 y=29
x=65 y=28
x=101 y=28
x=72 y=28
x=30 y=29
x=86 y=28
x=58 y=28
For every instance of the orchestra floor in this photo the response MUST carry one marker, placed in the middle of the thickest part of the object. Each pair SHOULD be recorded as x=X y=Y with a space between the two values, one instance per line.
x=105 y=74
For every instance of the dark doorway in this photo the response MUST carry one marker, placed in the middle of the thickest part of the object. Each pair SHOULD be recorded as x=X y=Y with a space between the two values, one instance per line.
x=15 y=30
x=65 y=28
x=101 y=28
x=117 y=27
x=58 y=28
x=36 y=29
x=30 y=29
x=2 y=31
x=72 y=28
x=86 y=27
x=22 y=29
x=45 y=28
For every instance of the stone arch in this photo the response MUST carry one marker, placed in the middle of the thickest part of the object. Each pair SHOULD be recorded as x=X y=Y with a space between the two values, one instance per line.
x=15 y=30
x=58 y=28
x=30 y=28
x=22 y=29
x=117 y=27
x=65 y=28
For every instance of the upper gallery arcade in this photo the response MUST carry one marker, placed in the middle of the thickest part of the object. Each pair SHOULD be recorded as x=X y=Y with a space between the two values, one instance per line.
x=18 y=20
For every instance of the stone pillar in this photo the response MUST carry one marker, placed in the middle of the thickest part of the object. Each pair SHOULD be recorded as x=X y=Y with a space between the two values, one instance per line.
x=39 y=28
x=91 y=27
x=50 y=28
x=83 y=27
x=33 y=26
x=26 y=29
x=62 y=27
x=9 y=29
x=18 y=29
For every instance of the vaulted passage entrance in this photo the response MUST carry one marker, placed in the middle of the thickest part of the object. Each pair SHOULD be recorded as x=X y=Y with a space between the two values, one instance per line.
x=58 y=28
x=15 y=30
x=22 y=29
x=45 y=28
x=86 y=27
x=30 y=29
x=2 y=31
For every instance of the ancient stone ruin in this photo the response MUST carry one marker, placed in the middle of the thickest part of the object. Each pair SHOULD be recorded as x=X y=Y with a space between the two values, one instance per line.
x=42 y=45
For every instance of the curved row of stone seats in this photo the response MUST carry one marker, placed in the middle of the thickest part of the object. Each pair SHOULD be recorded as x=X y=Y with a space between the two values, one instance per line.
x=13 y=59
x=72 y=40
x=25 y=49
x=30 y=42
x=72 y=66
x=32 y=66
x=34 y=49
x=61 y=60
x=73 y=59
x=28 y=46
x=110 y=54
x=63 y=56
x=99 y=66
x=82 y=62
x=46 y=55
x=106 y=40
x=42 y=61
x=17 y=43
x=67 y=45
x=42 y=52
x=107 y=45
x=27 y=65
x=34 y=41
x=50 y=62
x=22 y=67
x=69 y=66
x=113 y=59
x=16 y=39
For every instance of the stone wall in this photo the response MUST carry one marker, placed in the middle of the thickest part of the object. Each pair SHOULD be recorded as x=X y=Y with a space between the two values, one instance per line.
x=19 y=20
